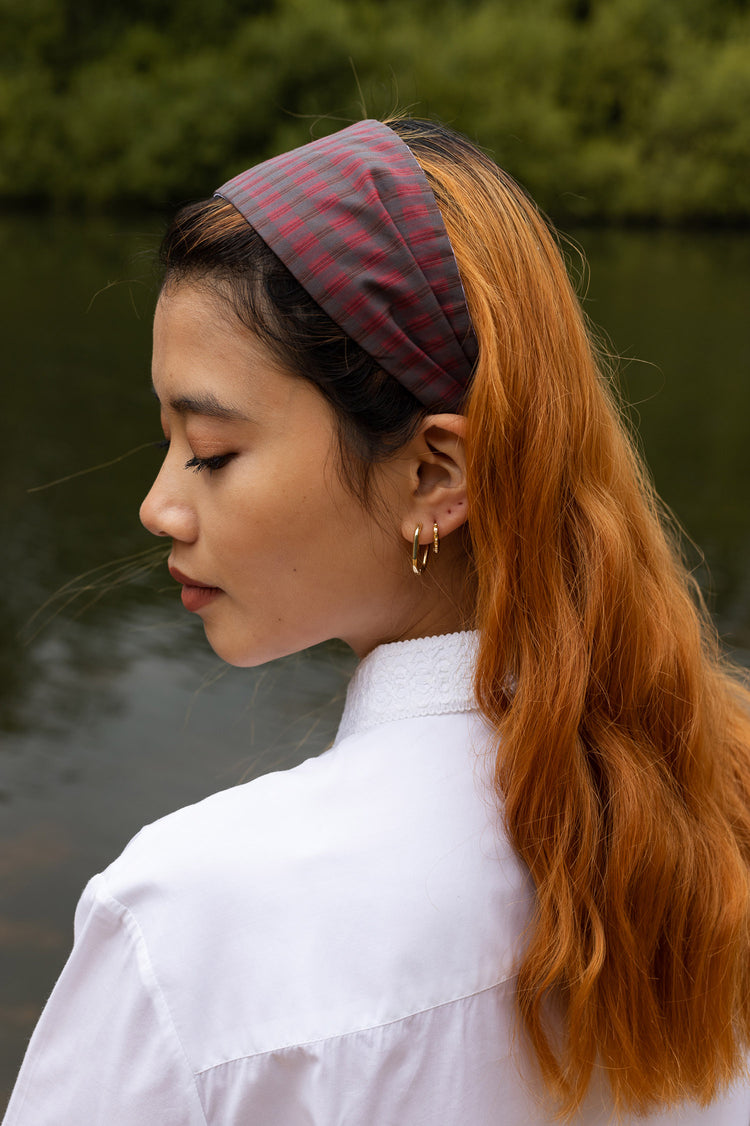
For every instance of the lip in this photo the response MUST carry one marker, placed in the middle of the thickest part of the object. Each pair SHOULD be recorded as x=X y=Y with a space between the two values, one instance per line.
x=195 y=595
x=180 y=577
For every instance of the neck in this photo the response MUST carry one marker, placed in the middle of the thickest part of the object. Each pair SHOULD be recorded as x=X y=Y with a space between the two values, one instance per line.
x=441 y=600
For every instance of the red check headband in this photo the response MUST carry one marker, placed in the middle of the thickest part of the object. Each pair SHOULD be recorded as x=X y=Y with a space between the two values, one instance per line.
x=354 y=219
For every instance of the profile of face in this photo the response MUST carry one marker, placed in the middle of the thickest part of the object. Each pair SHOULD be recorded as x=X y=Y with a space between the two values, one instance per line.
x=274 y=551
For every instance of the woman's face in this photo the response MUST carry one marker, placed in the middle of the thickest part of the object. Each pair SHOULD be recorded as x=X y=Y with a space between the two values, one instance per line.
x=273 y=551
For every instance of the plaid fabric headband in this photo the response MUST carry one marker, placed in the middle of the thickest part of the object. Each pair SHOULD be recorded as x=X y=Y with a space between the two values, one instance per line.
x=354 y=219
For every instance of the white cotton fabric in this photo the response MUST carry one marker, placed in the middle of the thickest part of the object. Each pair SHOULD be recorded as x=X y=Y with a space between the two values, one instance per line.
x=333 y=945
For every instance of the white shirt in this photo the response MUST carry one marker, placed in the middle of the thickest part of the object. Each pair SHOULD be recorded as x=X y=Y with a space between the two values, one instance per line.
x=332 y=945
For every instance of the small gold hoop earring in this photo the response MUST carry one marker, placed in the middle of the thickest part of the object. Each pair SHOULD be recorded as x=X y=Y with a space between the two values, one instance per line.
x=435 y=539
x=419 y=559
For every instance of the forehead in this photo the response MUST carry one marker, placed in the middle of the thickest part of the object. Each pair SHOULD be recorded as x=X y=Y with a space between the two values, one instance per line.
x=192 y=317
x=196 y=339
x=206 y=362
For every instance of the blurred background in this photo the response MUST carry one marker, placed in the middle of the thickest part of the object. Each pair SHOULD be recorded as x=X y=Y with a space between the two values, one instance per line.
x=628 y=121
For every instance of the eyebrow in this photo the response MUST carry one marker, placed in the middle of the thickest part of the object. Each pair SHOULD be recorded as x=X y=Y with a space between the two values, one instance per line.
x=207 y=405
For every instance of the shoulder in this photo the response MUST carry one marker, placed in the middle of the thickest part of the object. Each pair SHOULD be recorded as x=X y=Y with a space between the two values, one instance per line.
x=388 y=822
x=309 y=901
x=399 y=771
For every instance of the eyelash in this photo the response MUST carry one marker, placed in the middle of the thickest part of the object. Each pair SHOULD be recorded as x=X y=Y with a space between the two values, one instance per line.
x=218 y=461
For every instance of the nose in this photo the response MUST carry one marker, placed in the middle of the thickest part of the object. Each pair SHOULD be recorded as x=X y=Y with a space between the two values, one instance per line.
x=166 y=511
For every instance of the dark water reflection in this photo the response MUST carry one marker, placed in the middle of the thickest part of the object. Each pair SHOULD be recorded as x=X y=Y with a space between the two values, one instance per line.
x=679 y=303
x=114 y=717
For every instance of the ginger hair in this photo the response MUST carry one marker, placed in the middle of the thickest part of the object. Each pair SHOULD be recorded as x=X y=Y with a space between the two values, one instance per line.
x=623 y=735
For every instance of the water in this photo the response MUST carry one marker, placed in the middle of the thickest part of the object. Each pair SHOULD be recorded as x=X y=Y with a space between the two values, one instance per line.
x=114 y=711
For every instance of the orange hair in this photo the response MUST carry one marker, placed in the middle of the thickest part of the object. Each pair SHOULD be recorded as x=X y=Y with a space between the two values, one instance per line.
x=623 y=759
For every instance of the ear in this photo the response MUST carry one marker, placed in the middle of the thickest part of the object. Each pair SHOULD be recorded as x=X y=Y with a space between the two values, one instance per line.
x=436 y=477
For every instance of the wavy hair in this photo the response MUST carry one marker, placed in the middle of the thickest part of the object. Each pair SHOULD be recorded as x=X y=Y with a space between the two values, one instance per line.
x=623 y=736
x=623 y=760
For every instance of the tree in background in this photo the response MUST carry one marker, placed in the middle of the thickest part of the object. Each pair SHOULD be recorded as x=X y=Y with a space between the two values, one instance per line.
x=620 y=110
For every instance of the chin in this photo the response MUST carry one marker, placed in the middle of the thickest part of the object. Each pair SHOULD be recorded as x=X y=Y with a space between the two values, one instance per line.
x=248 y=653
x=242 y=657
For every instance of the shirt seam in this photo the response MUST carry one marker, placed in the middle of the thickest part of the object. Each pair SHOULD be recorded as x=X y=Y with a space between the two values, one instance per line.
x=131 y=923
x=355 y=1031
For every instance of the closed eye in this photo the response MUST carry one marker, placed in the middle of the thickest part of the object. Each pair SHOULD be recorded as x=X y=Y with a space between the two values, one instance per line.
x=218 y=461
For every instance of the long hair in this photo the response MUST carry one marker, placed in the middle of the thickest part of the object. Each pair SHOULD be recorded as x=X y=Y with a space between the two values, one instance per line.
x=623 y=738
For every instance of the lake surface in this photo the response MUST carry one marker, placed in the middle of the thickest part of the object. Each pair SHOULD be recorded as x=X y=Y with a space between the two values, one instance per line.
x=113 y=709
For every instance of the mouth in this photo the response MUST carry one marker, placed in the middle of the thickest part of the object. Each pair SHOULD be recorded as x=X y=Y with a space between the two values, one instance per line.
x=195 y=595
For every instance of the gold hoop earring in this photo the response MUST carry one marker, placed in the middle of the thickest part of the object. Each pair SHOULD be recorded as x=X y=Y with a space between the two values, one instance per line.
x=419 y=559
x=435 y=539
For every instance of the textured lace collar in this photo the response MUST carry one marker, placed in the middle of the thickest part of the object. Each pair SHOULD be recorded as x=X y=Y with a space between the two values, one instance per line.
x=426 y=676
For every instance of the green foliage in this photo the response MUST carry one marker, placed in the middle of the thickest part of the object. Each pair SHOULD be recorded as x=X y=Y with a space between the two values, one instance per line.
x=623 y=110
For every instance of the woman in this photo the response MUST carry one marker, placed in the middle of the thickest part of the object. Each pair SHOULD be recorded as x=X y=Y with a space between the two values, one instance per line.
x=518 y=884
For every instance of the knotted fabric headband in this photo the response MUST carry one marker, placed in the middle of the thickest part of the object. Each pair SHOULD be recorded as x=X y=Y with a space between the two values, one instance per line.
x=354 y=219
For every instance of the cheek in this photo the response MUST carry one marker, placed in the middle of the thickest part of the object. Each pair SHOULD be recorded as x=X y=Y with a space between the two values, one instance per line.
x=258 y=542
x=285 y=517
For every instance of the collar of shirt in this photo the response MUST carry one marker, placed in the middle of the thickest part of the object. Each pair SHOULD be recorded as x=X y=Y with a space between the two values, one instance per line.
x=404 y=679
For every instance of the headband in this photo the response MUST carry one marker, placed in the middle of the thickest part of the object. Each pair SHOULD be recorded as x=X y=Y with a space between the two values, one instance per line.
x=354 y=219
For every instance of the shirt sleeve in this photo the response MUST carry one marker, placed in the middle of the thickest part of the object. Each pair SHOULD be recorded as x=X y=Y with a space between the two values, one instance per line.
x=105 y=1051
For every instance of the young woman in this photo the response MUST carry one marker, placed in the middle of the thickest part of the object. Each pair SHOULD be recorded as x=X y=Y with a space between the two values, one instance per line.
x=518 y=885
